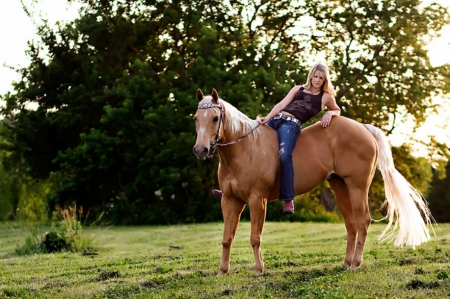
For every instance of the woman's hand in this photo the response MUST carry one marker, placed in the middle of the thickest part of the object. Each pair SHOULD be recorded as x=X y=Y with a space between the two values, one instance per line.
x=326 y=119
x=332 y=107
x=262 y=120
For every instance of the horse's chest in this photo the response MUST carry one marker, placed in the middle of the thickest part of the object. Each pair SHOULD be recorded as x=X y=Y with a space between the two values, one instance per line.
x=248 y=177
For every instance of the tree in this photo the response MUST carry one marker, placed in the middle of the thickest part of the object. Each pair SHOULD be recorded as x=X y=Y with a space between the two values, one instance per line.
x=21 y=196
x=378 y=53
x=439 y=196
x=115 y=96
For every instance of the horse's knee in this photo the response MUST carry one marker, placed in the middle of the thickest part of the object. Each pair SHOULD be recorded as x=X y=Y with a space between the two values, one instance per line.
x=227 y=241
x=255 y=241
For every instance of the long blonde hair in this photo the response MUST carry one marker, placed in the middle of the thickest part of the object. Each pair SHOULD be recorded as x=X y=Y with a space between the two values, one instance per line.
x=323 y=69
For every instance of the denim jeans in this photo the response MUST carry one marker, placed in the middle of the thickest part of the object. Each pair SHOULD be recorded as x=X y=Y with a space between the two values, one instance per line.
x=287 y=137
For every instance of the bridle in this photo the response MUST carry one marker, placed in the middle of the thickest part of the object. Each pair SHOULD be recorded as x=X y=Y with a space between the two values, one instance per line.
x=222 y=116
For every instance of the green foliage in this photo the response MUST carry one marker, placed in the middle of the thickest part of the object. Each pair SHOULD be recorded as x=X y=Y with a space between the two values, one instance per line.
x=65 y=235
x=114 y=96
x=21 y=197
x=377 y=49
x=439 y=196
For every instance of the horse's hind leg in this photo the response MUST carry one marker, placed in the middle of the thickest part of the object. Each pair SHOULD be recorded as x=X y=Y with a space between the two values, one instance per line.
x=345 y=207
x=231 y=211
x=258 y=207
x=360 y=207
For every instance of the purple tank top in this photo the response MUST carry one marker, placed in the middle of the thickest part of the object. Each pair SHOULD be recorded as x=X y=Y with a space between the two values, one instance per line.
x=305 y=106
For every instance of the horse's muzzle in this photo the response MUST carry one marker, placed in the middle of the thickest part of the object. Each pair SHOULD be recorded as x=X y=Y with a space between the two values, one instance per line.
x=201 y=152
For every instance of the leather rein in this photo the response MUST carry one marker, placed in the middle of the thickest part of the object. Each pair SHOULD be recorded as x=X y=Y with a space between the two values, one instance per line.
x=222 y=116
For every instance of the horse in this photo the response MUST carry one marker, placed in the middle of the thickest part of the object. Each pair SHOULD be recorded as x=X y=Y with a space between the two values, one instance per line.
x=346 y=153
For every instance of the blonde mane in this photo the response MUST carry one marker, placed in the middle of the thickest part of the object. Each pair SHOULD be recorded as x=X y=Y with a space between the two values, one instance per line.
x=236 y=121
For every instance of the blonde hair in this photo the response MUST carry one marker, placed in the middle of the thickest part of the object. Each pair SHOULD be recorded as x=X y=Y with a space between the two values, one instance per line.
x=323 y=69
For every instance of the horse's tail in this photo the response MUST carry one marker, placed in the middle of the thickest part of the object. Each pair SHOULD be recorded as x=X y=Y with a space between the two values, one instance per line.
x=404 y=202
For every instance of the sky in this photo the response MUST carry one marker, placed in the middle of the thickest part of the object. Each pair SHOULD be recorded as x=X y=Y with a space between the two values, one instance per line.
x=16 y=29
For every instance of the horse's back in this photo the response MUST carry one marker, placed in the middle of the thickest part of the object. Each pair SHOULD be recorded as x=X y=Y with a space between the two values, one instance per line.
x=345 y=147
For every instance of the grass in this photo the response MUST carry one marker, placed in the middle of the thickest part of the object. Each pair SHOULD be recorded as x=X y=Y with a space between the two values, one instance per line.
x=302 y=260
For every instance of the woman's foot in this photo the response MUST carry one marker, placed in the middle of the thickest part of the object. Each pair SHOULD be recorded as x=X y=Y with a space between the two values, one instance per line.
x=288 y=207
x=217 y=192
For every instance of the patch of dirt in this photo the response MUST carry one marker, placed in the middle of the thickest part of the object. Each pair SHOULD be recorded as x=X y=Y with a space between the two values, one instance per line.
x=54 y=284
x=419 y=271
x=419 y=284
x=149 y=285
x=89 y=253
x=410 y=261
x=105 y=275
x=175 y=247
x=226 y=292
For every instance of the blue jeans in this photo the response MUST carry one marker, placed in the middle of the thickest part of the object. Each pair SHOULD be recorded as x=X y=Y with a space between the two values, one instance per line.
x=287 y=137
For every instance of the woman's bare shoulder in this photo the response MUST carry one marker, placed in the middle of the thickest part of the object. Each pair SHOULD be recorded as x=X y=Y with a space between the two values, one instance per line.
x=296 y=87
x=327 y=95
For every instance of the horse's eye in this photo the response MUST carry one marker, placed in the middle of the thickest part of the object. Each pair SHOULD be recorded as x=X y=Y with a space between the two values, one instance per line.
x=215 y=119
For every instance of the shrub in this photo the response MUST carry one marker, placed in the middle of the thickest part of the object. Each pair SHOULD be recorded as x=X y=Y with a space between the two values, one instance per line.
x=64 y=235
x=307 y=209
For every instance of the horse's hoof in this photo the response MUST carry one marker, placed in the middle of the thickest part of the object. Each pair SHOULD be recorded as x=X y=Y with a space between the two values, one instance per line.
x=221 y=273
x=355 y=266
x=348 y=264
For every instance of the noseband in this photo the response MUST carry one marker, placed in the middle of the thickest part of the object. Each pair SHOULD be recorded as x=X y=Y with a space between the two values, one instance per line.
x=222 y=116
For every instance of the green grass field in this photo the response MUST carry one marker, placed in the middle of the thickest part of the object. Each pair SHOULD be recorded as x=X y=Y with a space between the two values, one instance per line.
x=302 y=260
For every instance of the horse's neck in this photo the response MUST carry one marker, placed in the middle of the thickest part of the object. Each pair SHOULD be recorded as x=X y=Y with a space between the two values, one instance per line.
x=240 y=144
x=234 y=154
x=236 y=129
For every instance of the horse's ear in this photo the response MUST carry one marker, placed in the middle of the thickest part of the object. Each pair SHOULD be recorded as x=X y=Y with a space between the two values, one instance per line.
x=215 y=96
x=200 y=95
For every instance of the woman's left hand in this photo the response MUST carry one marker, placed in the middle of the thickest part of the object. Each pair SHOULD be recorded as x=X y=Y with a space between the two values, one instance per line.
x=326 y=119
x=262 y=120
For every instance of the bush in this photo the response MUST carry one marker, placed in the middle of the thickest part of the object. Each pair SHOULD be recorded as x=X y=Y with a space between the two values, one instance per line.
x=307 y=209
x=65 y=235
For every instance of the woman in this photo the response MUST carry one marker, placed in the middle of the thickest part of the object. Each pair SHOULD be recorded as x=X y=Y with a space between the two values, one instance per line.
x=300 y=105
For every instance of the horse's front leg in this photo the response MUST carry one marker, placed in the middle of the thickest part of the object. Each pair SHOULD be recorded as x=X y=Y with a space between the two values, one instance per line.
x=258 y=207
x=231 y=211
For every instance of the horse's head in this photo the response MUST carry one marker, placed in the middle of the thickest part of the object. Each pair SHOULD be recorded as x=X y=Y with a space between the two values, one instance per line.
x=208 y=120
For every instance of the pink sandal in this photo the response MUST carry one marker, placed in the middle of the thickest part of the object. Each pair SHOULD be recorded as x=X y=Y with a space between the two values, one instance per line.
x=217 y=192
x=288 y=207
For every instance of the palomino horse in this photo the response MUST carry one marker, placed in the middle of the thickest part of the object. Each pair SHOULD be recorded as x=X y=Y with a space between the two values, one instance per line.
x=346 y=153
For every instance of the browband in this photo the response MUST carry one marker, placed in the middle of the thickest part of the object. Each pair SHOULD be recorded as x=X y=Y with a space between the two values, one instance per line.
x=209 y=105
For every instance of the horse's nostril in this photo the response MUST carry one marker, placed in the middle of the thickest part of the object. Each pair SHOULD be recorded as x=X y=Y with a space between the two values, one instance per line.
x=205 y=150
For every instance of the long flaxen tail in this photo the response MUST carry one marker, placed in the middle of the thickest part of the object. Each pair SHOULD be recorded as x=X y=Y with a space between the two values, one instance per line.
x=408 y=213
